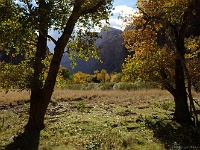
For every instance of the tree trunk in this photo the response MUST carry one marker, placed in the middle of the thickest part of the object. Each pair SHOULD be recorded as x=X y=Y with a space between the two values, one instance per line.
x=41 y=96
x=38 y=103
x=182 y=114
x=38 y=107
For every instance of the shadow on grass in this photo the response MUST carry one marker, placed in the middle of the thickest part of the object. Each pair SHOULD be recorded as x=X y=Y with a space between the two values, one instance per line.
x=174 y=135
x=25 y=141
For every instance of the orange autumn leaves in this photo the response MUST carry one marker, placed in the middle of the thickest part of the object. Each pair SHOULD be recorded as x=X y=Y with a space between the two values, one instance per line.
x=150 y=40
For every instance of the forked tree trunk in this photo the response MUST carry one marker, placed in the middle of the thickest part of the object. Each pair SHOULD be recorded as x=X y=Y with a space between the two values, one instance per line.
x=40 y=97
x=182 y=114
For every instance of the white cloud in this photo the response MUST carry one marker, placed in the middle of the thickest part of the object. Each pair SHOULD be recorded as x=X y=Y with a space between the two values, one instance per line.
x=120 y=11
x=123 y=9
x=116 y=23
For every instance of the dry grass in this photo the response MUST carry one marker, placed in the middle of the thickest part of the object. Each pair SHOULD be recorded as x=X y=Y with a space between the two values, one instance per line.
x=113 y=96
x=13 y=96
x=109 y=98
x=116 y=94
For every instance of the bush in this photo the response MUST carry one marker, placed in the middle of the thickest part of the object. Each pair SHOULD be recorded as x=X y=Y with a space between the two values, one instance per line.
x=90 y=86
x=132 y=86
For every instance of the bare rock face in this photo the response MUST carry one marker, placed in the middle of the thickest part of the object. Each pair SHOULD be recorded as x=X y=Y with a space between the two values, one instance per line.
x=112 y=54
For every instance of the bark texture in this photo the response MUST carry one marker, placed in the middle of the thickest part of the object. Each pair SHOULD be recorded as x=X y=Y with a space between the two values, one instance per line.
x=182 y=114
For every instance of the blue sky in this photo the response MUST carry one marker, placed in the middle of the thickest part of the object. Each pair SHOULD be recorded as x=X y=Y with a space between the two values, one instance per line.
x=130 y=3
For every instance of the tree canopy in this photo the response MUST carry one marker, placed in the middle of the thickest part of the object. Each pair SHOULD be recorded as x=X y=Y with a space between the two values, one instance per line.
x=151 y=36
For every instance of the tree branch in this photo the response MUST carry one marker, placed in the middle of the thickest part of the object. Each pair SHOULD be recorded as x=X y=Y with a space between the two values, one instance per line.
x=52 y=39
x=148 y=18
x=94 y=8
x=78 y=4
x=36 y=23
x=167 y=85
x=191 y=99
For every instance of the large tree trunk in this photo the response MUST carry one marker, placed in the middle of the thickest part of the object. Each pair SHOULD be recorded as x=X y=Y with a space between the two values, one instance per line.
x=38 y=107
x=41 y=95
x=38 y=102
x=182 y=114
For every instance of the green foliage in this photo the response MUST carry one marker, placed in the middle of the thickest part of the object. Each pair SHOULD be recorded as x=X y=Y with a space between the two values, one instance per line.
x=83 y=46
x=16 y=32
x=63 y=78
x=60 y=82
x=65 y=73
x=15 y=76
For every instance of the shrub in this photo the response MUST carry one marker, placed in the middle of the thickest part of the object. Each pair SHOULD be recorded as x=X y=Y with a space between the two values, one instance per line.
x=132 y=86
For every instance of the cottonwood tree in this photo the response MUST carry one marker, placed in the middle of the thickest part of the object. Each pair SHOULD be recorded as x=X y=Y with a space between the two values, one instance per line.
x=159 y=37
x=62 y=16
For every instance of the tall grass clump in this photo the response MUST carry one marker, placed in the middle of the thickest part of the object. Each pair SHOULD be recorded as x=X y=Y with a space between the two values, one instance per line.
x=132 y=86
x=90 y=86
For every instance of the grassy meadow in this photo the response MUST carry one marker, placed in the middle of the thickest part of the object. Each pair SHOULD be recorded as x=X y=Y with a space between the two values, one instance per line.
x=101 y=120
